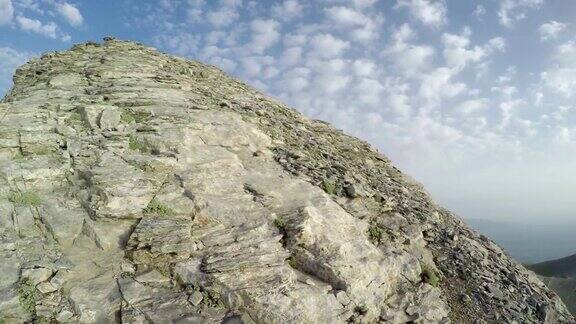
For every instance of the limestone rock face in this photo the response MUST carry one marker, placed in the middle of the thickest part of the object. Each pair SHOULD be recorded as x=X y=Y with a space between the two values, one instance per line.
x=136 y=187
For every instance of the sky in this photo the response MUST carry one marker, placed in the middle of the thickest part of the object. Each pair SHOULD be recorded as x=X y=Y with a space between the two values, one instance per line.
x=475 y=99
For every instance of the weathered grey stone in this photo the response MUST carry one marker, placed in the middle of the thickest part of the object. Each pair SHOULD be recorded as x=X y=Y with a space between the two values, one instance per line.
x=109 y=118
x=46 y=287
x=37 y=275
x=343 y=298
x=95 y=300
x=64 y=316
x=196 y=298
x=153 y=278
x=495 y=291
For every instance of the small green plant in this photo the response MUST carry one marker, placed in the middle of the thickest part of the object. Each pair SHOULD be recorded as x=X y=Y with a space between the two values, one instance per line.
x=375 y=233
x=329 y=187
x=156 y=207
x=27 y=296
x=292 y=262
x=129 y=116
x=212 y=298
x=137 y=145
x=26 y=198
x=280 y=223
x=75 y=119
x=429 y=275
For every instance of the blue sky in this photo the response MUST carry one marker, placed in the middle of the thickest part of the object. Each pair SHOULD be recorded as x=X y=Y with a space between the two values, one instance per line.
x=473 y=98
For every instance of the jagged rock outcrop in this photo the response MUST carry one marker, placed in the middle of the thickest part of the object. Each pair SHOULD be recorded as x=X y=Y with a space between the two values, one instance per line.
x=136 y=187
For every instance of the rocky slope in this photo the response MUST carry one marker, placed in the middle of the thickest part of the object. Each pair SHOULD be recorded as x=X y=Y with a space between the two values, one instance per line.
x=139 y=187
x=565 y=288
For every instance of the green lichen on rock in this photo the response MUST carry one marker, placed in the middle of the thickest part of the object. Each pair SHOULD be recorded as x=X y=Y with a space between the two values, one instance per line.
x=212 y=298
x=27 y=297
x=137 y=145
x=27 y=198
x=129 y=116
x=292 y=262
x=375 y=233
x=429 y=275
x=280 y=223
x=329 y=187
x=157 y=208
x=75 y=119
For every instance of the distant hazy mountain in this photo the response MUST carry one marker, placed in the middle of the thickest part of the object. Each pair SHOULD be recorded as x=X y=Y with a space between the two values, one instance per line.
x=530 y=243
x=562 y=268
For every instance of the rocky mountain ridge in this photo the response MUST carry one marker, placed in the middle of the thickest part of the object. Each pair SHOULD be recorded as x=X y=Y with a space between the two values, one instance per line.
x=140 y=187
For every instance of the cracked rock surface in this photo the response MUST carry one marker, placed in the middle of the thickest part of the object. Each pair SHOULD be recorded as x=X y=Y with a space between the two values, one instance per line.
x=136 y=187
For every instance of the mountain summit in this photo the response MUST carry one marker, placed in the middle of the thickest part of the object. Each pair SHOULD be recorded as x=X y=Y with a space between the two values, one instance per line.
x=136 y=187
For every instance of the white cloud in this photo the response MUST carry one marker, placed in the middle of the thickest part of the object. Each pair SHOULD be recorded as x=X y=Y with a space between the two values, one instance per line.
x=181 y=44
x=472 y=106
x=497 y=43
x=231 y=3
x=291 y=56
x=507 y=109
x=479 y=11
x=429 y=12
x=364 y=27
x=364 y=34
x=561 y=78
x=70 y=13
x=49 y=30
x=225 y=15
x=327 y=46
x=459 y=55
x=6 y=12
x=409 y=58
x=331 y=84
x=456 y=52
x=369 y=90
x=346 y=17
x=294 y=40
x=295 y=80
x=512 y=11
x=507 y=76
x=438 y=85
x=565 y=136
x=364 y=67
x=258 y=66
x=399 y=101
x=288 y=10
x=551 y=30
x=363 y=3
x=264 y=35
x=328 y=67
